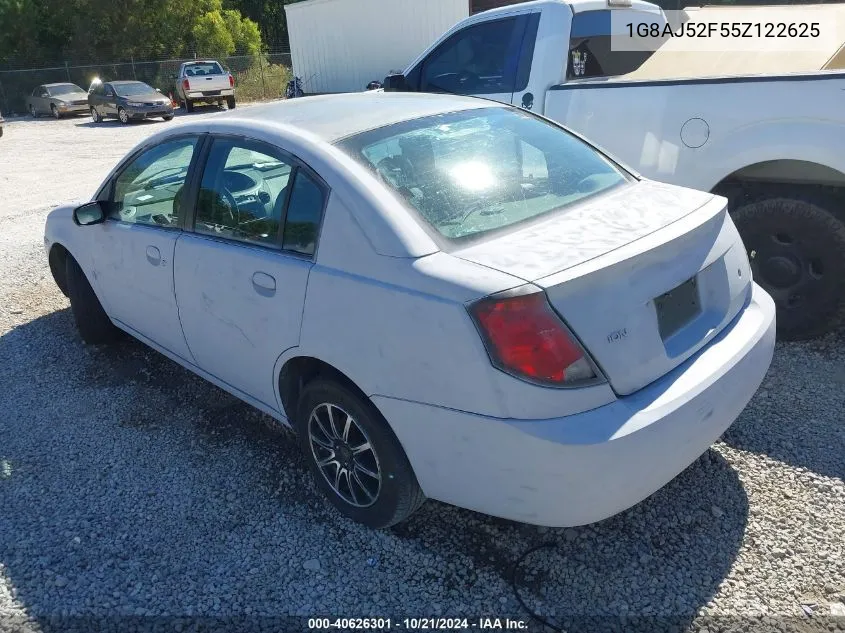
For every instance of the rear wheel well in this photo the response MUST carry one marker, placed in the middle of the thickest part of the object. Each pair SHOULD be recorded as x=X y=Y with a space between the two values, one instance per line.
x=57 y=259
x=298 y=372
x=794 y=179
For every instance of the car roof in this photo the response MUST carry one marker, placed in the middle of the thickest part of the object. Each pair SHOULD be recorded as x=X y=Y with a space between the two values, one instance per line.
x=60 y=83
x=577 y=6
x=123 y=82
x=333 y=117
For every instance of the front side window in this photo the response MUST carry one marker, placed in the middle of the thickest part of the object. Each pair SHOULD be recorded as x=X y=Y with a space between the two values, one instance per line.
x=149 y=190
x=109 y=91
x=243 y=193
x=472 y=172
x=481 y=59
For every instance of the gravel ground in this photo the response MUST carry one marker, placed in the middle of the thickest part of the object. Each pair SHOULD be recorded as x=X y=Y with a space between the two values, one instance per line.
x=129 y=487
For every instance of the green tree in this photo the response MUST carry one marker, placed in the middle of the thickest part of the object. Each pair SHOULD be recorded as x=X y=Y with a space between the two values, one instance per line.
x=212 y=37
x=245 y=32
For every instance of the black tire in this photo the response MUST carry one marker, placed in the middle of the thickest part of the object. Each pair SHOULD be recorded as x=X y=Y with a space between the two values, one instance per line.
x=123 y=116
x=95 y=116
x=189 y=105
x=93 y=323
x=167 y=117
x=230 y=103
x=32 y=112
x=55 y=112
x=798 y=249
x=398 y=495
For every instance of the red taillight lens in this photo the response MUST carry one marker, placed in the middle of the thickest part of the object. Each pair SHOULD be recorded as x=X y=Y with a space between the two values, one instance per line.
x=186 y=84
x=525 y=337
x=231 y=81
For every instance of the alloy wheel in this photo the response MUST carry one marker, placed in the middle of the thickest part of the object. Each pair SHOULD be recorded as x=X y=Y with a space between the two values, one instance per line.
x=344 y=455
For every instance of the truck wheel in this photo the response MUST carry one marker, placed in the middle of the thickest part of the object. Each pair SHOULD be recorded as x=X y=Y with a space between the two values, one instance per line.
x=354 y=457
x=798 y=250
x=230 y=103
x=93 y=323
x=189 y=105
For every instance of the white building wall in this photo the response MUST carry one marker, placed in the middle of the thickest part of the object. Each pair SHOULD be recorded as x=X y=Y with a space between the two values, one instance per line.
x=342 y=45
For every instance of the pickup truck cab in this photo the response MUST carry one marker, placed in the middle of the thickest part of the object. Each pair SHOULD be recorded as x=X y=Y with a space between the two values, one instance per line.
x=206 y=82
x=771 y=144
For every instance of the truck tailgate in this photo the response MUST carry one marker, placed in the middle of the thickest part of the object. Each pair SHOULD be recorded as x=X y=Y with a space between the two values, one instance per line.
x=208 y=83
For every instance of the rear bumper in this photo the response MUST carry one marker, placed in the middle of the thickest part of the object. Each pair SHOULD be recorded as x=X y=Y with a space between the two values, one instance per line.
x=212 y=94
x=587 y=467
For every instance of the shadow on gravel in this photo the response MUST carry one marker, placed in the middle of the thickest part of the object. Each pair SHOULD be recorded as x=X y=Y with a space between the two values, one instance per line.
x=797 y=415
x=665 y=557
x=117 y=124
x=128 y=482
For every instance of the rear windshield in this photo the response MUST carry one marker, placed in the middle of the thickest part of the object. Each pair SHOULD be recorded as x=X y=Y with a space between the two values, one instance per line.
x=468 y=173
x=200 y=69
x=63 y=89
x=127 y=90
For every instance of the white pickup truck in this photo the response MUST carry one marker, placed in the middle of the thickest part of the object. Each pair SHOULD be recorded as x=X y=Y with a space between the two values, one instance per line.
x=774 y=145
x=204 y=81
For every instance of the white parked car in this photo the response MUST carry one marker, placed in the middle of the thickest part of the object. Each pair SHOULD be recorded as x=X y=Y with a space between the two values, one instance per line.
x=446 y=297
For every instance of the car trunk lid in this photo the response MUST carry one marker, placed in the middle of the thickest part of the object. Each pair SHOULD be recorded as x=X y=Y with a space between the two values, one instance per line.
x=645 y=276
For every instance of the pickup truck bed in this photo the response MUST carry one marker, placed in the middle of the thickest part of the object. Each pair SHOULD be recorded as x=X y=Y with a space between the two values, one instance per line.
x=674 y=59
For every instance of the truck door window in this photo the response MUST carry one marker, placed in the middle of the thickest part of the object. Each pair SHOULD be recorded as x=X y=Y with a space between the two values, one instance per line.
x=590 y=51
x=481 y=59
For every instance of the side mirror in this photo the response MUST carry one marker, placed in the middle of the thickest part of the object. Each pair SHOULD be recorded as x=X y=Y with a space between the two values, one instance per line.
x=158 y=89
x=89 y=213
x=396 y=83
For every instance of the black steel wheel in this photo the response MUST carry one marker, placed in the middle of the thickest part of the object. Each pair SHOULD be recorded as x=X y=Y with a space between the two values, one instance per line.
x=797 y=251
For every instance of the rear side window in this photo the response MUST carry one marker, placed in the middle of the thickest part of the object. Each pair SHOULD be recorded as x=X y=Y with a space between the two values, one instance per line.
x=305 y=210
x=481 y=59
x=590 y=50
x=468 y=173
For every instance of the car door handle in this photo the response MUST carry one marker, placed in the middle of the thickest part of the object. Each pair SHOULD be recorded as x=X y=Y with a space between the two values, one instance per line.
x=153 y=255
x=263 y=282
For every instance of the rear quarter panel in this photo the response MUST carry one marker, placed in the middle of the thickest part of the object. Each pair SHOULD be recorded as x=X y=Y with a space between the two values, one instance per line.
x=399 y=327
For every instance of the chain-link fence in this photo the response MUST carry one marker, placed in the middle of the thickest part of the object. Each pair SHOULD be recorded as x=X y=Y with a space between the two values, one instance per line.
x=257 y=77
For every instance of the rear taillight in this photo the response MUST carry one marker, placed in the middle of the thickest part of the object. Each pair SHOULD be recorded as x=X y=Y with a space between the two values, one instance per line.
x=186 y=84
x=231 y=81
x=525 y=338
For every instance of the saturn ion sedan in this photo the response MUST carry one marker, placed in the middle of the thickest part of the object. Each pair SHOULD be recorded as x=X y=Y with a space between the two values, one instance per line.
x=445 y=297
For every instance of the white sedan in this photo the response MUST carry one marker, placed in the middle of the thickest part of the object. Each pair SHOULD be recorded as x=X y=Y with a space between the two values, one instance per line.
x=445 y=297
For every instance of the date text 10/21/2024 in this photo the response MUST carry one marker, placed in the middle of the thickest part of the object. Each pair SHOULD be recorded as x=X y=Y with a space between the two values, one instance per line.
x=417 y=624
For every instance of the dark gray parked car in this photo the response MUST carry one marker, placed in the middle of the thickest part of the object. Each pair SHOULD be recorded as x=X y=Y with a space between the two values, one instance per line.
x=2 y=121
x=127 y=100
x=57 y=100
